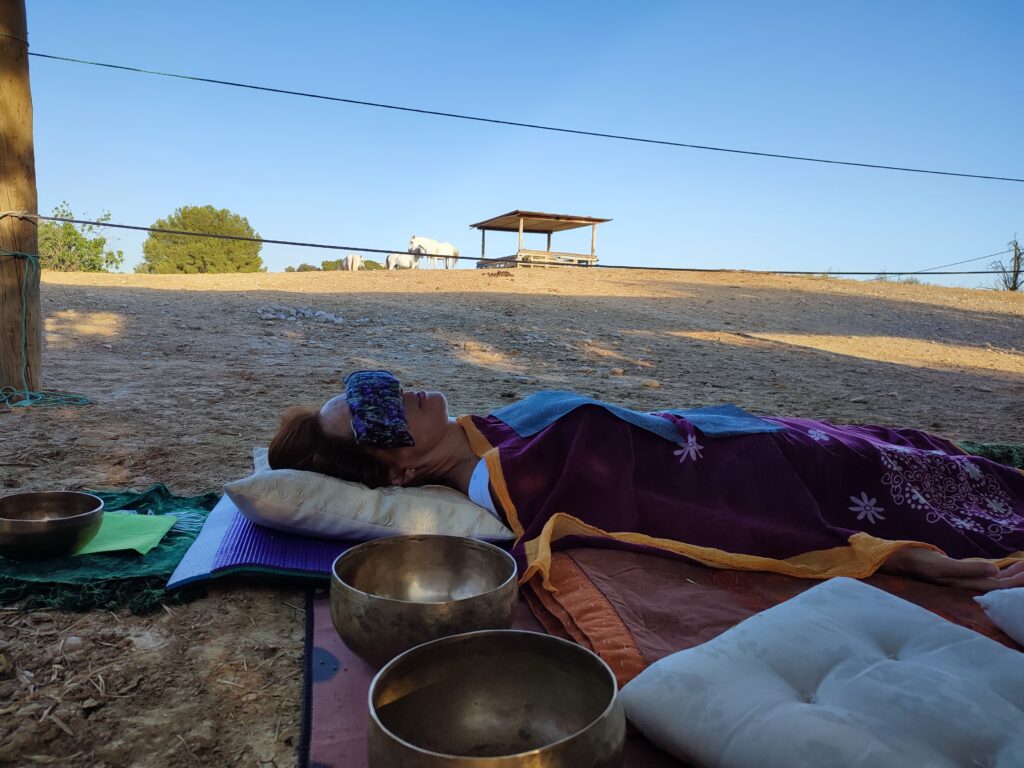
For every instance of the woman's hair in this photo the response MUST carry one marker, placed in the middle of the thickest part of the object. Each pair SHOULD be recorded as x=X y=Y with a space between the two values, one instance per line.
x=300 y=443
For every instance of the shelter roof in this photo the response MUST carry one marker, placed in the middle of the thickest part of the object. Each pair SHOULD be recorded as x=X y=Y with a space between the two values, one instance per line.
x=536 y=222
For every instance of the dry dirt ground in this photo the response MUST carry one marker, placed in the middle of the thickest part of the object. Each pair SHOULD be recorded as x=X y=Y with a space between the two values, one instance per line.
x=185 y=378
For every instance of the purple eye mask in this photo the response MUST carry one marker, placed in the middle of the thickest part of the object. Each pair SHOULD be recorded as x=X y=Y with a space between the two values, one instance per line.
x=378 y=414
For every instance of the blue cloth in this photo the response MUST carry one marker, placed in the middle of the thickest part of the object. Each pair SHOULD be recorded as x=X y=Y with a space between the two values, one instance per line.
x=537 y=412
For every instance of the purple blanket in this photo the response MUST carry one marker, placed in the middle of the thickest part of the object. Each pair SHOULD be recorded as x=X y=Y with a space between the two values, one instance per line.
x=812 y=500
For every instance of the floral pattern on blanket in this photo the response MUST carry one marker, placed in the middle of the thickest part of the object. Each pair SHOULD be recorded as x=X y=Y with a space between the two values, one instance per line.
x=691 y=449
x=958 y=492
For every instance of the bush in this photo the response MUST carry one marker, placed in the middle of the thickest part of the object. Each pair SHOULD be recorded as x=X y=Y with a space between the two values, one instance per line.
x=182 y=254
x=67 y=247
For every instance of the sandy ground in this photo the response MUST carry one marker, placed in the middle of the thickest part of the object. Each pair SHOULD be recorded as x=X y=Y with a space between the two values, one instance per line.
x=186 y=378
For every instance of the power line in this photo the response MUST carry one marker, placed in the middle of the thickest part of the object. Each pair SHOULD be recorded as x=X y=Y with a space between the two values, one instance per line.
x=956 y=263
x=359 y=249
x=517 y=124
x=13 y=37
x=242 y=238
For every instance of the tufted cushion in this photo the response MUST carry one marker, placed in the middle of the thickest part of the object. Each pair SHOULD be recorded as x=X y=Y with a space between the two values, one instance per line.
x=841 y=675
x=312 y=504
x=1006 y=609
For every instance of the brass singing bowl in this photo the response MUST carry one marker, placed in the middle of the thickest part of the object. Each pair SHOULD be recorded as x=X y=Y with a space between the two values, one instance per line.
x=392 y=594
x=36 y=526
x=496 y=699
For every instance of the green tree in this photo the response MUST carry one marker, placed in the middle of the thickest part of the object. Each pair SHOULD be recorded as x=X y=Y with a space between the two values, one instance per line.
x=304 y=267
x=331 y=265
x=289 y=269
x=169 y=254
x=67 y=247
x=370 y=264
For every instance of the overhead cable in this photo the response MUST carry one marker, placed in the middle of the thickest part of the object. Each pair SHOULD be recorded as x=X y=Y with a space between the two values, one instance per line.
x=518 y=124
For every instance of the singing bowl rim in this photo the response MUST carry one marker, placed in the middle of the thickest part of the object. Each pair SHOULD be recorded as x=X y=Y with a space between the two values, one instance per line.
x=13 y=521
x=359 y=549
x=613 y=700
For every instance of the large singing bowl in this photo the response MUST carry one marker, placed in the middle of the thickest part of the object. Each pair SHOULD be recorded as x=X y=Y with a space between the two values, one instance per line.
x=497 y=699
x=36 y=526
x=392 y=594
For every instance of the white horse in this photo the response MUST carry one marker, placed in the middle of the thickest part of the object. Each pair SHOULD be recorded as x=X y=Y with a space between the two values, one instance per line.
x=445 y=252
x=352 y=262
x=402 y=261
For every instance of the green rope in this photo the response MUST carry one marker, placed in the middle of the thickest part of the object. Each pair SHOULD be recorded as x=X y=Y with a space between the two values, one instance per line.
x=23 y=398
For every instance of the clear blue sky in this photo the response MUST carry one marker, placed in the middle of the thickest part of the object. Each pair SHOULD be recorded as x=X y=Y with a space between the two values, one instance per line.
x=935 y=85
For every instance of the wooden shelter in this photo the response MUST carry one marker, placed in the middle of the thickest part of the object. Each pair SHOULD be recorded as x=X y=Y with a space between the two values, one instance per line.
x=534 y=222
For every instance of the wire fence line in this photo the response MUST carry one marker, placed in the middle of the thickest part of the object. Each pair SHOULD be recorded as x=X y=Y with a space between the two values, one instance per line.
x=362 y=249
x=521 y=124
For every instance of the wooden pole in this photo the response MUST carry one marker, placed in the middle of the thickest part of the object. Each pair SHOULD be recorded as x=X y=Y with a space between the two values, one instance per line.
x=1015 y=282
x=17 y=193
x=520 y=237
x=549 y=242
x=593 y=240
x=483 y=243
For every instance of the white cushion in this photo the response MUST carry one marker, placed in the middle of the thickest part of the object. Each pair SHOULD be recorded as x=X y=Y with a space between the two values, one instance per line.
x=841 y=675
x=312 y=504
x=1006 y=609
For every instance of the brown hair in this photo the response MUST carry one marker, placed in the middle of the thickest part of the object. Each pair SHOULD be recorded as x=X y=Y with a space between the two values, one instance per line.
x=300 y=443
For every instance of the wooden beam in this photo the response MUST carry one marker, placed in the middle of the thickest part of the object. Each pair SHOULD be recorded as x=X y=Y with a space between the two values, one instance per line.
x=593 y=240
x=483 y=243
x=549 y=242
x=17 y=193
x=520 y=234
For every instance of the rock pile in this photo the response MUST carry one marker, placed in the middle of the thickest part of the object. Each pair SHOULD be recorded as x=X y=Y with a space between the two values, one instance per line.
x=294 y=314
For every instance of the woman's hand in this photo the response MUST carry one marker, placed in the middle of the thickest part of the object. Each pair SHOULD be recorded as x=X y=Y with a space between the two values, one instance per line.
x=929 y=565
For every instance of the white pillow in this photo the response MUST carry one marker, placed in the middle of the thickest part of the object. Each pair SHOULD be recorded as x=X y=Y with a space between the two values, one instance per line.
x=841 y=675
x=312 y=504
x=1006 y=609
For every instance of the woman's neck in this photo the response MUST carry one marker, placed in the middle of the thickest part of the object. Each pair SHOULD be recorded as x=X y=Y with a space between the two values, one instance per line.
x=460 y=460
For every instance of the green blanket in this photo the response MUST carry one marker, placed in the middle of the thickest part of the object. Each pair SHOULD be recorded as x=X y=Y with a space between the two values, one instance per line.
x=113 y=579
x=1010 y=454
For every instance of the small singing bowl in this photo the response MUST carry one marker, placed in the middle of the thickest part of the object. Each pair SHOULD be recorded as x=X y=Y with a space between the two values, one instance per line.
x=392 y=594
x=496 y=699
x=37 y=526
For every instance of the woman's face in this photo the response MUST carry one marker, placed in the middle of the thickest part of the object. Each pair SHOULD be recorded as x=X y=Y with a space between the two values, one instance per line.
x=426 y=413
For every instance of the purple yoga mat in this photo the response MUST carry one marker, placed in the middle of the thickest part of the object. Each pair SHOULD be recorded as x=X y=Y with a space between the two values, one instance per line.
x=230 y=543
x=335 y=706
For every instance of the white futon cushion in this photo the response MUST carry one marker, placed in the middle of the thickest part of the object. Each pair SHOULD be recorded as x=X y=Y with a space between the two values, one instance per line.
x=312 y=504
x=841 y=675
x=1006 y=609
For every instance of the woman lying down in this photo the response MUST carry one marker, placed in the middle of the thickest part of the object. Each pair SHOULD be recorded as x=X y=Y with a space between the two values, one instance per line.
x=717 y=485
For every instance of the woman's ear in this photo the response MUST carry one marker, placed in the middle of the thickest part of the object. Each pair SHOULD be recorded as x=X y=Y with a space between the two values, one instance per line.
x=401 y=476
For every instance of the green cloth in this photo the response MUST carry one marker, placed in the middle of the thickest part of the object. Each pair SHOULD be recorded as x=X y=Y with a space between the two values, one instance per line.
x=1010 y=454
x=128 y=530
x=115 y=579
